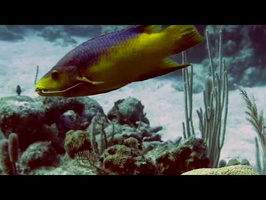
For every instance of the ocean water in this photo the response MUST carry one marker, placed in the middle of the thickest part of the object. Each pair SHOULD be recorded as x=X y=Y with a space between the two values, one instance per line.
x=163 y=103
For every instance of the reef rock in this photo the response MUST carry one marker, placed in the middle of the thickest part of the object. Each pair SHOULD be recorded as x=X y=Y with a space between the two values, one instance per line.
x=177 y=159
x=52 y=118
x=24 y=116
x=128 y=111
x=38 y=155
x=64 y=111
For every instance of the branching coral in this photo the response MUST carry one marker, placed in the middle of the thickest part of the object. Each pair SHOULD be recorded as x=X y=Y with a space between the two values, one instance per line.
x=213 y=117
x=91 y=159
x=9 y=154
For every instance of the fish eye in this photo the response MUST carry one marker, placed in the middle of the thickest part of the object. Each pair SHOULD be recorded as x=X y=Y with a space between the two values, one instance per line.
x=55 y=74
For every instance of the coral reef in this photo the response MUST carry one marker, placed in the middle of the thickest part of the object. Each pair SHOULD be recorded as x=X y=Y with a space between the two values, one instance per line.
x=2 y=136
x=76 y=141
x=60 y=34
x=67 y=124
x=230 y=170
x=177 y=159
x=78 y=128
x=122 y=159
x=7 y=34
x=128 y=111
x=57 y=34
x=213 y=117
x=63 y=111
x=52 y=117
x=37 y=155
x=245 y=161
x=257 y=120
x=123 y=139
x=67 y=167
x=17 y=114
x=132 y=148
x=9 y=154
x=222 y=163
x=111 y=28
x=6 y=164
x=241 y=48
x=13 y=148
x=84 y=30
x=233 y=161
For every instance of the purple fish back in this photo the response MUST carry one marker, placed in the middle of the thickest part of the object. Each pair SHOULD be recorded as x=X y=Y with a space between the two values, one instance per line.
x=90 y=51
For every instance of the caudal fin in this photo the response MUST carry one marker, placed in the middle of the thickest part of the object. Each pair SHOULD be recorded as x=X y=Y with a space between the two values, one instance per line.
x=182 y=37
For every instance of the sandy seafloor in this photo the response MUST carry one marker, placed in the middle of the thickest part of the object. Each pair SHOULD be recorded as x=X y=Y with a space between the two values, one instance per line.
x=164 y=105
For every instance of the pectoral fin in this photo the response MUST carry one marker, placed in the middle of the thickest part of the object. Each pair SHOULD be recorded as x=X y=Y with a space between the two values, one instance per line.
x=84 y=79
x=166 y=67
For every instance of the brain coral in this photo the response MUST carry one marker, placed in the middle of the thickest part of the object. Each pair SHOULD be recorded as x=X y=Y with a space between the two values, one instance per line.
x=230 y=170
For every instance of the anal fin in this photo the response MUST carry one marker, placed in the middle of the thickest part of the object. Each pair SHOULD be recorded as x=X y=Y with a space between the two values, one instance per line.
x=166 y=67
x=168 y=63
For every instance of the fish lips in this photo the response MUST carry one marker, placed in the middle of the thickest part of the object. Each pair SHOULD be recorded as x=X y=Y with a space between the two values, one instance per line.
x=39 y=91
x=45 y=92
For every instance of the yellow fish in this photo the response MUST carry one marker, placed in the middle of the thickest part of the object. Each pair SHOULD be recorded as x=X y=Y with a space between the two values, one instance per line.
x=111 y=61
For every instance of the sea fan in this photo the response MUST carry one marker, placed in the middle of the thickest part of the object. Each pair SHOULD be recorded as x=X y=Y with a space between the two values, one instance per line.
x=258 y=122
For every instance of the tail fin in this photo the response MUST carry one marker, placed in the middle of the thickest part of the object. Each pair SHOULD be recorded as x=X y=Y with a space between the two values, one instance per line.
x=184 y=37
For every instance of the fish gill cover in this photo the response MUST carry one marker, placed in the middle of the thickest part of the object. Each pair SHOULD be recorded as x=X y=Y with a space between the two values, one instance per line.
x=137 y=127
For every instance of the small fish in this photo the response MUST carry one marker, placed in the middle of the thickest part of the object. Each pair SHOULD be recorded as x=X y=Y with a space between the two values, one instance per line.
x=111 y=61
x=18 y=90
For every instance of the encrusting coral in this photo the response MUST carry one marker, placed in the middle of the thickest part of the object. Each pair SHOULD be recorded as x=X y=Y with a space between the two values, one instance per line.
x=76 y=141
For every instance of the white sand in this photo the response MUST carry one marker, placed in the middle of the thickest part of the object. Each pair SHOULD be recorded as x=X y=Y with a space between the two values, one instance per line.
x=163 y=104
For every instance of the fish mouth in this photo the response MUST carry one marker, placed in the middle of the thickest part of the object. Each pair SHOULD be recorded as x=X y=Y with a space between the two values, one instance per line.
x=44 y=92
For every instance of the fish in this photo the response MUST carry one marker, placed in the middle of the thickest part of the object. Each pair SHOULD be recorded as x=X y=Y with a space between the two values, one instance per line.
x=111 y=61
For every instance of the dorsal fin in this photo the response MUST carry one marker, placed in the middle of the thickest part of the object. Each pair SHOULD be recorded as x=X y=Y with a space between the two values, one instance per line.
x=152 y=28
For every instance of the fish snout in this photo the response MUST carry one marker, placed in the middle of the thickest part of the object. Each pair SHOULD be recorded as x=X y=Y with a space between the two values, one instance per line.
x=40 y=91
